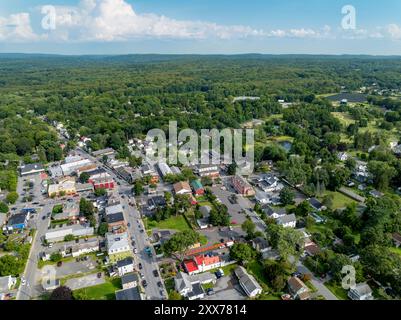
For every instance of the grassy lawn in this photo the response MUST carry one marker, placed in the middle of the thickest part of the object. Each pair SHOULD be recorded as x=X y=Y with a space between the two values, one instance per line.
x=173 y=223
x=105 y=291
x=207 y=286
x=339 y=200
x=344 y=118
x=256 y=269
x=227 y=269
x=396 y=251
x=339 y=292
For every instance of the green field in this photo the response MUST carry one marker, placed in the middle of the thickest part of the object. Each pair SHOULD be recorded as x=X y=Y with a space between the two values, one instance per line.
x=339 y=200
x=339 y=292
x=396 y=251
x=105 y=291
x=173 y=223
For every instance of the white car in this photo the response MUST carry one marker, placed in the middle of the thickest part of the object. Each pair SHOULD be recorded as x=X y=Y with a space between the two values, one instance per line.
x=23 y=281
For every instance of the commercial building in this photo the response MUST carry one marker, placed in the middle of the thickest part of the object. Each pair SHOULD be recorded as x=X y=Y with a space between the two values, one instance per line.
x=242 y=186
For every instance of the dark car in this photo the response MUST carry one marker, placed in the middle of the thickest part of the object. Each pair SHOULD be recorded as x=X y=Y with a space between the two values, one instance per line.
x=210 y=292
x=142 y=231
x=129 y=224
x=160 y=284
x=140 y=266
x=155 y=273
x=99 y=275
x=59 y=264
x=44 y=218
x=144 y=283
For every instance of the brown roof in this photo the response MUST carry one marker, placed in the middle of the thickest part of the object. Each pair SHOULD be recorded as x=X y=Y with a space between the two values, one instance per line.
x=295 y=284
x=182 y=186
x=304 y=296
x=397 y=237
x=312 y=249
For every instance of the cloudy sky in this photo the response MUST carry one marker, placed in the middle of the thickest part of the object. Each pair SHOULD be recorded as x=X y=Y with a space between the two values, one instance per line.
x=200 y=26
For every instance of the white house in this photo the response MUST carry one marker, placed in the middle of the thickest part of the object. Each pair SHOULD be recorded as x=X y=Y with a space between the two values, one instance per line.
x=262 y=197
x=248 y=282
x=117 y=243
x=342 y=156
x=287 y=221
x=6 y=283
x=362 y=291
x=125 y=266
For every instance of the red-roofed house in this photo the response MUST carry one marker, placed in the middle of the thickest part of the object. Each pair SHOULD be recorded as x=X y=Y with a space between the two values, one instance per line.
x=202 y=263
x=191 y=267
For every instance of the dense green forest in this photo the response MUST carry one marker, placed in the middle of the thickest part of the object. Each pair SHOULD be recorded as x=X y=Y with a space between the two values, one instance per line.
x=112 y=99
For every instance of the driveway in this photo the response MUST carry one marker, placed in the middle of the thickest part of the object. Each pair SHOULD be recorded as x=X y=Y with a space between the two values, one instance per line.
x=227 y=288
x=85 y=281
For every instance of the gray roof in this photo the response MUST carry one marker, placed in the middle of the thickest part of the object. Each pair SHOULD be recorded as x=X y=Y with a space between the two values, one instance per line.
x=287 y=219
x=129 y=277
x=362 y=289
x=262 y=243
x=196 y=290
x=115 y=217
x=270 y=211
x=125 y=262
x=246 y=279
x=17 y=218
x=31 y=167
x=182 y=282
x=128 y=294
x=315 y=203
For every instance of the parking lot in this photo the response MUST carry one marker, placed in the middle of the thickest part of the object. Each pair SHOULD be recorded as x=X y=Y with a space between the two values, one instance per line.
x=227 y=288
x=74 y=267
x=85 y=281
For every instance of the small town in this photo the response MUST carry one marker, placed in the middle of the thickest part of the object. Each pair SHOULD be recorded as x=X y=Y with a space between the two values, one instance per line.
x=199 y=158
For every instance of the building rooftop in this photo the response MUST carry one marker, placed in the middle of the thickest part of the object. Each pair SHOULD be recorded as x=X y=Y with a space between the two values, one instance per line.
x=26 y=168
x=115 y=217
x=128 y=294
x=129 y=278
x=125 y=262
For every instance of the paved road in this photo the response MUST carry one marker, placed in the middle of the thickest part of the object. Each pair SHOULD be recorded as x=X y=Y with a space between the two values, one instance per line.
x=317 y=283
x=132 y=216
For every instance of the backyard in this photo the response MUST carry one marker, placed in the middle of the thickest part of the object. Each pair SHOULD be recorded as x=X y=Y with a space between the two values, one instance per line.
x=177 y=223
x=105 y=291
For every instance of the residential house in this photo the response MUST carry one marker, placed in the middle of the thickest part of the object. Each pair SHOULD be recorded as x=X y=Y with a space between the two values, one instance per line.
x=274 y=213
x=316 y=204
x=197 y=188
x=287 y=221
x=7 y=283
x=268 y=183
x=182 y=188
x=397 y=239
x=261 y=245
x=130 y=294
x=342 y=156
x=202 y=263
x=125 y=266
x=164 y=169
x=242 y=186
x=191 y=286
x=207 y=170
x=157 y=202
x=18 y=221
x=298 y=289
x=116 y=222
x=376 y=194
x=362 y=291
x=247 y=282
x=262 y=197
x=129 y=280
x=311 y=248
x=203 y=223
x=192 y=200
x=117 y=246
x=29 y=169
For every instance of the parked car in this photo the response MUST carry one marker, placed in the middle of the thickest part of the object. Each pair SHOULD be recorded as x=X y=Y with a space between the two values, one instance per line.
x=144 y=283
x=59 y=264
x=140 y=266
x=160 y=284
x=129 y=225
x=210 y=292
x=155 y=273
x=99 y=275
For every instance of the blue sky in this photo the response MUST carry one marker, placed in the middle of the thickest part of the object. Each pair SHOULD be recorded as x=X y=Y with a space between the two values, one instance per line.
x=201 y=26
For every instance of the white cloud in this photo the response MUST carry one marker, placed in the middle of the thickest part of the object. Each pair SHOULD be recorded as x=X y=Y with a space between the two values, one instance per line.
x=394 y=31
x=17 y=28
